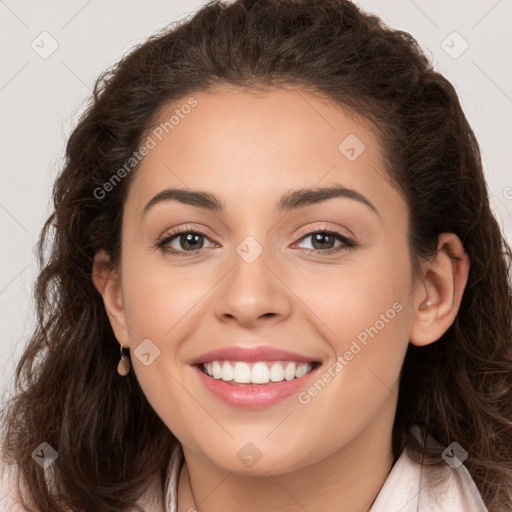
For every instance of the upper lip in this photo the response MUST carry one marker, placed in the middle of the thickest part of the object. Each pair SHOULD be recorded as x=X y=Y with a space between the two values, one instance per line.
x=262 y=353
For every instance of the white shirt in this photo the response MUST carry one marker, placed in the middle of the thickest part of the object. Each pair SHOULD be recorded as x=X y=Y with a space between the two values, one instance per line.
x=414 y=487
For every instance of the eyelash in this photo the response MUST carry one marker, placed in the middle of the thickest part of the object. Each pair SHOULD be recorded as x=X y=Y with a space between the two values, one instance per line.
x=347 y=242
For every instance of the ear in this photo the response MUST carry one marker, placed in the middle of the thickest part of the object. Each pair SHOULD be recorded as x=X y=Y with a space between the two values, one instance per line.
x=108 y=283
x=437 y=298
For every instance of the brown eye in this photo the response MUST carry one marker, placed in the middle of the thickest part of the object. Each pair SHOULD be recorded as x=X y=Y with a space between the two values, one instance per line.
x=323 y=242
x=184 y=242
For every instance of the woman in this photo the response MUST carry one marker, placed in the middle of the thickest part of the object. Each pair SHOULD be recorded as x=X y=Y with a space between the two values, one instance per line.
x=273 y=221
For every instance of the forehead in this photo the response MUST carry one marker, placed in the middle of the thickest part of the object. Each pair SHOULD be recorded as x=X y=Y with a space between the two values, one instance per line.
x=259 y=142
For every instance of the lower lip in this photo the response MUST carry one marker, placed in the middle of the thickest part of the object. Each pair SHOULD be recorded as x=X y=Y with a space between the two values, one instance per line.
x=253 y=395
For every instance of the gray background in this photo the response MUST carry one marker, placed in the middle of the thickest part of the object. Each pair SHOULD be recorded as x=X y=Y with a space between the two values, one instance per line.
x=40 y=99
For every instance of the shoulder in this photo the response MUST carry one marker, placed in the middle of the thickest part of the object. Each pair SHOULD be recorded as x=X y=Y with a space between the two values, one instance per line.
x=412 y=486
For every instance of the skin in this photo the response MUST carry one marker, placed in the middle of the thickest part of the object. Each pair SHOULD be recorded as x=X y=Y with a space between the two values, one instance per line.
x=249 y=149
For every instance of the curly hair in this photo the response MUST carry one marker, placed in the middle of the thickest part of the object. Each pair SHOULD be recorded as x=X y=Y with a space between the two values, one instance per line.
x=109 y=439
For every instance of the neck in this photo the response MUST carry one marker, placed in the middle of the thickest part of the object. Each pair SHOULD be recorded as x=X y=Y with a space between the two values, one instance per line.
x=348 y=479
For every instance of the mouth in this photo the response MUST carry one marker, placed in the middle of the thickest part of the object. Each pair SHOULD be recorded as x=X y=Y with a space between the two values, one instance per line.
x=256 y=372
x=254 y=377
x=255 y=385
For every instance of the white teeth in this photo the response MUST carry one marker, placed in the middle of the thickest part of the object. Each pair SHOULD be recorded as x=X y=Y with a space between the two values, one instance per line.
x=301 y=371
x=261 y=372
x=276 y=372
x=289 y=371
x=216 y=370
x=227 y=372
x=242 y=372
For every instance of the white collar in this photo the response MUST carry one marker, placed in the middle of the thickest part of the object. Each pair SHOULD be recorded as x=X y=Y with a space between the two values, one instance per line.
x=415 y=487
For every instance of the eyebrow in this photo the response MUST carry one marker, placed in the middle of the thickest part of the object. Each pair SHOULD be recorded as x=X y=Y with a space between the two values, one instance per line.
x=290 y=201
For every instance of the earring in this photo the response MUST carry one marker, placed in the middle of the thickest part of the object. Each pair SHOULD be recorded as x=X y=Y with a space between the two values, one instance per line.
x=124 y=365
x=428 y=303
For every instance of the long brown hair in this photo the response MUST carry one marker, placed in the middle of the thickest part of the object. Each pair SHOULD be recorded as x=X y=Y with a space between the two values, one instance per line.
x=109 y=439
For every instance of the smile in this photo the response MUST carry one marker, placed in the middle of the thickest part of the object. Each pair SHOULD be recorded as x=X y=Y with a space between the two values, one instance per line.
x=259 y=372
x=251 y=386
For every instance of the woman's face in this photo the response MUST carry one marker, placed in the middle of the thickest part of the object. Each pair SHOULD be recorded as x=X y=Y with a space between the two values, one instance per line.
x=261 y=275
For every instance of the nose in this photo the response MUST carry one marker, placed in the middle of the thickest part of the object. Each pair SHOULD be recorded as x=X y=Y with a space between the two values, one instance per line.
x=253 y=292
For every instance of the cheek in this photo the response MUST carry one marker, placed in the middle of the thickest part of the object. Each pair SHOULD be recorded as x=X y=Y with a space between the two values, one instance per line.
x=159 y=299
x=160 y=308
x=362 y=298
x=367 y=311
